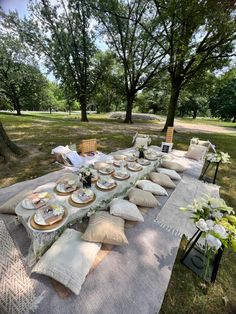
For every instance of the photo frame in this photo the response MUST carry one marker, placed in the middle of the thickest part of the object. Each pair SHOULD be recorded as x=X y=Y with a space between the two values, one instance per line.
x=166 y=147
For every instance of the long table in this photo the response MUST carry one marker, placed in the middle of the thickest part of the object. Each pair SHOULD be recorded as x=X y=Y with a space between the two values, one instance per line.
x=41 y=240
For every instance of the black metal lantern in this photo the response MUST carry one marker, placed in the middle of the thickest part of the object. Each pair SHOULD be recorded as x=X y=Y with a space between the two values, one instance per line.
x=207 y=178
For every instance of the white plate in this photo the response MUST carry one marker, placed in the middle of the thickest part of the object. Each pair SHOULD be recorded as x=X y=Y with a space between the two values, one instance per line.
x=143 y=162
x=61 y=188
x=106 y=170
x=131 y=158
x=151 y=156
x=101 y=184
x=28 y=204
x=38 y=218
x=135 y=167
x=122 y=175
x=75 y=196
x=119 y=163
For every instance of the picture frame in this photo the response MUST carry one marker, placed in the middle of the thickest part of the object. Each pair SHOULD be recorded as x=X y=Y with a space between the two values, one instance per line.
x=166 y=147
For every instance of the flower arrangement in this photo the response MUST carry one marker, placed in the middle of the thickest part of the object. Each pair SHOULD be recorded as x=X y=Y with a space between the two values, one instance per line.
x=194 y=140
x=86 y=175
x=217 y=222
x=224 y=158
x=141 y=148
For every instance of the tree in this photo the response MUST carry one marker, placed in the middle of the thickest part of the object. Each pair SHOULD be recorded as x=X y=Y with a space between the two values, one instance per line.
x=19 y=81
x=139 y=55
x=223 y=102
x=195 y=35
x=62 y=34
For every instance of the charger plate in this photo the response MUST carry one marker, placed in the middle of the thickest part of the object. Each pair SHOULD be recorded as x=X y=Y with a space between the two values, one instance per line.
x=130 y=158
x=64 y=193
x=151 y=157
x=135 y=169
x=117 y=177
x=143 y=162
x=48 y=228
x=103 y=171
x=117 y=163
x=105 y=189
x=71 y=202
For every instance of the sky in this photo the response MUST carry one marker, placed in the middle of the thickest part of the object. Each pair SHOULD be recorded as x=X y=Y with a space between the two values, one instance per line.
x=19 y=5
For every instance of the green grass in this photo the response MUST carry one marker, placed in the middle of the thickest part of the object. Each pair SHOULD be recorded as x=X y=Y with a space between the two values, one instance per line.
x=40 y=132
x=211 y=121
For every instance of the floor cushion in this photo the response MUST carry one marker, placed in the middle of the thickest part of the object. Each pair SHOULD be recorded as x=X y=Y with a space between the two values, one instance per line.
x=125 y=209
x=105 y=228
x=9 y=206
x=173 y=165
x=171 y=173
x=68 y=260
x=142 y=198
x=196 y=152
x=162 y=179
x=152 y=187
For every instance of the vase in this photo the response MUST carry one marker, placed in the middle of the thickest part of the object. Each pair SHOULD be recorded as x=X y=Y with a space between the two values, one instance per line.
x=87 y=182
x=141 y=154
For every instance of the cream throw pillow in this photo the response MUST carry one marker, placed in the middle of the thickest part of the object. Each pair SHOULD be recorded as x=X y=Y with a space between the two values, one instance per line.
x=149 y=186
x=105 y=228
x=68 y=260
x=196 y=152
x=9 y=206
x=162 y=179
x=142 y=198
x=125 y=210
x=173 y=165
x=171 y=173
x=141 y=141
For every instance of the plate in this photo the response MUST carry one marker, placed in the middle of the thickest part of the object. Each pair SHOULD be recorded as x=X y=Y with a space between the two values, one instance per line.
x=143 y=162
x=131 y=158
x=106 y=184
x=121 y=175
x=36 y=200
x=119 y=163
x=65 y=188
x=48 y=228
x=94 y=176
x=151 y=156
x=134 y=166
x=106 y=170
x=82 y=196
x=49 y=215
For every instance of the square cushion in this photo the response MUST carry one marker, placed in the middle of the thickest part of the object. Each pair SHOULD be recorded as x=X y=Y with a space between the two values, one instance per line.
x=105 y=228
x=173 y=165
x=141 y=141
x=125 y=210
x=9 y=206
x=196 y=152
x=162 y=179
x=149 y=186
x=68 y=260
x=142 y=198
x=171 y=173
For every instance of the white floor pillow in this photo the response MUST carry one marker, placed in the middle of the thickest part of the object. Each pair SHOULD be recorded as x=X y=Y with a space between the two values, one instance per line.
x=196 y=152
x=152 y=187
x=68 y=260
x=162 y=179
x=142 y=198
x=171 y=173
x=125 y=210
x=173 y=165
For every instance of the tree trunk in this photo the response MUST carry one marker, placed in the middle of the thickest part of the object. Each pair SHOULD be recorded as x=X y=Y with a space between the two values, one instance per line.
x=83 y=107
x=17 y=106
x=175 y=90
x=7 y=148
x=194 y=115
x=129 y=107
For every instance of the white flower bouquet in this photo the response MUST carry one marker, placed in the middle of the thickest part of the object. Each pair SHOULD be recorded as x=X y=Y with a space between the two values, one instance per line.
x=217 y=222
x=224 y=158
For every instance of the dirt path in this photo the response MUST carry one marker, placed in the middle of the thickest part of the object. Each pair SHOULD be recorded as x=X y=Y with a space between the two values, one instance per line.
x=203 y=128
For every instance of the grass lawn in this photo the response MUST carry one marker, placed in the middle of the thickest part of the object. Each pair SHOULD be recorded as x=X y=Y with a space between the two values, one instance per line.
x=40 y=132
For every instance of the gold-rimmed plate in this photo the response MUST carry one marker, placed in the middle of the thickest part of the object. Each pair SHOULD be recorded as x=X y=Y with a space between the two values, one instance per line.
x=106 y=184
x=151 y=156
x=119 y=163
x=121 y=175
x=131 y=158
x=143 y=162
x=106 y=170
x=63 y=188
x=48 y=228
x=134 y=167
x=36 y=200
